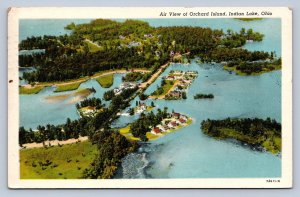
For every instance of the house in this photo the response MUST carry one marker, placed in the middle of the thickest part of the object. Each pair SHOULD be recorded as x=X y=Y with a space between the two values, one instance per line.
x=176 y=115
x=141 y=108
x=182 y=121
x=175 y=94
x=156 y=131
x=162 y=128
x=183 y=117
x=122 y=37
x=128 y=85
x=117 y=91
x=148 y=35
x=170 y=78
x=173 y=124
x=166 y=127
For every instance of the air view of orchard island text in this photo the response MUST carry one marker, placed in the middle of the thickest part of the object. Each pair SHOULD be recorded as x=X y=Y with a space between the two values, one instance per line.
x=150 y=98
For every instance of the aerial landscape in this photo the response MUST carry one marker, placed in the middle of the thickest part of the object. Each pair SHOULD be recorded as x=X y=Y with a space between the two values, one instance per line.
x=150 y=98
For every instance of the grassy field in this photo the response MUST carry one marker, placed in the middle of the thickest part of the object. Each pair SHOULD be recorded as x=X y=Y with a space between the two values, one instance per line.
x=68 y=87
x=166 y=88
x=33 y=90
x=66 y=162
x=106 y=81
x=93 y=47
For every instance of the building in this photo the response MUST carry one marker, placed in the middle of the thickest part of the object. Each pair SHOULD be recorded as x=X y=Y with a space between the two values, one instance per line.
x=155 y=131
x=175 y=94
x=182 y=121
x=176 y=115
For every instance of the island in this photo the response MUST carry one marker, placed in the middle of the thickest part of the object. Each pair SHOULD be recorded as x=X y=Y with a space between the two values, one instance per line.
x=153 y=126
x=174 y=86
x=203 y=96
x=257 y=133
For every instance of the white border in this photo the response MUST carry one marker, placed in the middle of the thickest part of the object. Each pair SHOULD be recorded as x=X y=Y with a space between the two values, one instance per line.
x=14 y=14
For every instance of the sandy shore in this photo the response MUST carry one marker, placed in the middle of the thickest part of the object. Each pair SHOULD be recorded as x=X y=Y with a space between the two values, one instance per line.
x=53 y=143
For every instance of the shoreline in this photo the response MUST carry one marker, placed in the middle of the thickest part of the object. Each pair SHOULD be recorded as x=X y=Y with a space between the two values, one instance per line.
x=49 y=143
x=79 y=80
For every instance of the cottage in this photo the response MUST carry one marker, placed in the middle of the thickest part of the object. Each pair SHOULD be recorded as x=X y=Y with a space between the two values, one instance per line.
x=183 y=117
x=174 y=123
x=117 y=91
x=176 y=115
x=175 y=94
x=122 y=37
x=182 y=121
x=170 y=78
x=166 y=127
x=156 y=131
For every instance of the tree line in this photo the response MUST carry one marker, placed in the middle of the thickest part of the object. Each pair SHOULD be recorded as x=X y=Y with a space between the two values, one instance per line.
x=253 y=131
x=85 y=126
x=68 y=56
x=93 y=102
x=145 y=122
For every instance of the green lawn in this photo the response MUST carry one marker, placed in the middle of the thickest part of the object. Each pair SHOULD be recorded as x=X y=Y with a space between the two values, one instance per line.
x=93 y=47
x=125 y=130
x=33 y=90
x=68 y=87
x=66 y=162
x=106 y=81
x=166 y=88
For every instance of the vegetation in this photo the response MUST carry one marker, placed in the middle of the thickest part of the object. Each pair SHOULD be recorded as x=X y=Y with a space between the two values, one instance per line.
x=74 y=57
x=57 y=162
x=109 y=95
x=133 y=76
x=203 y=96
x=106 y=81
x=238 y=39
x=92 y=102
x=255 y=132
x=85 y=126
x=104 y=44
x=141 y=126
x=112 y=147
x=93 y=47
x=253 y=68
x=68 y=87
x=30 y=90
x=166 y=85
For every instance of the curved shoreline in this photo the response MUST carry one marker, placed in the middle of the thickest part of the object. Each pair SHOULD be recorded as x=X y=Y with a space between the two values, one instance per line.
x=53 y=143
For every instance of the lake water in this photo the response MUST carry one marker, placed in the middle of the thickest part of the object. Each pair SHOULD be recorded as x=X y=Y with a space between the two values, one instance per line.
x=186 y=153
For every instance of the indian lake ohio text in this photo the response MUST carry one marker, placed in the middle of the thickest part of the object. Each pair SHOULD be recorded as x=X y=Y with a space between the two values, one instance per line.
x=178 y=14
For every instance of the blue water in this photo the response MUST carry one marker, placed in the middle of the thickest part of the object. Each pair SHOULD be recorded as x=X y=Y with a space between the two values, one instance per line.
x=41 y=27
x=186 y=153
x=53 y=112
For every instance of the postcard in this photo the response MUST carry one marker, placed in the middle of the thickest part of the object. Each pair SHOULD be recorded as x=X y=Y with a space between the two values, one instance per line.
x=164 y=97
